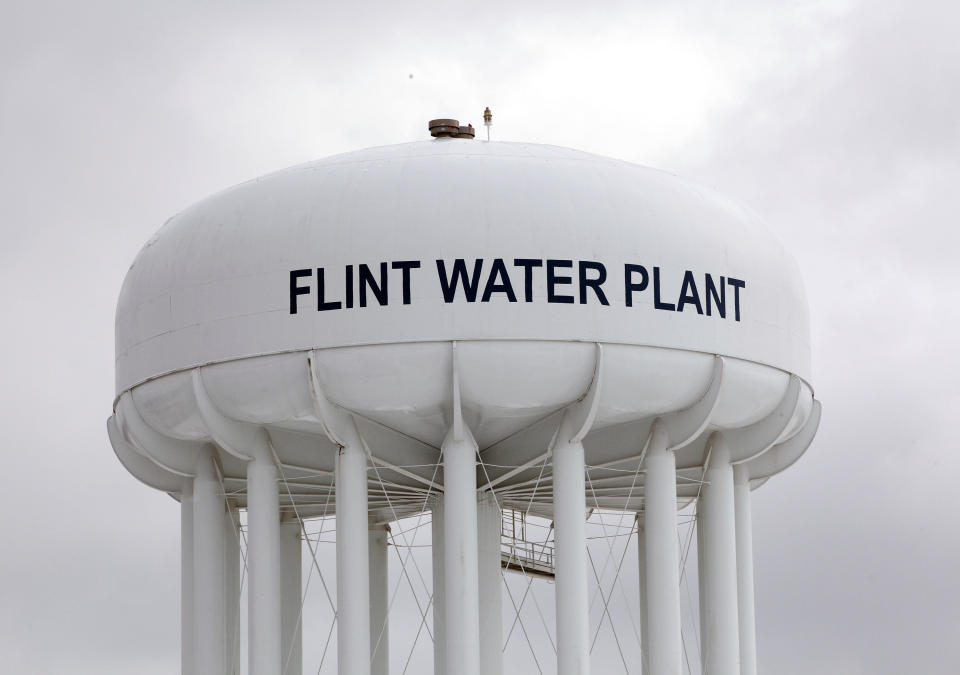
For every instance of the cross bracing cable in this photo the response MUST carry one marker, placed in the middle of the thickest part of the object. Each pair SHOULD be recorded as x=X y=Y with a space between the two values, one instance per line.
x=616 y=579
x=605 y=600
x=528 y=590
x=313 y=553
x=606 y=612
x=404 y=560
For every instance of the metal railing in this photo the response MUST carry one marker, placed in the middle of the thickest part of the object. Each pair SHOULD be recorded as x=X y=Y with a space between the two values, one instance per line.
x=519 y=553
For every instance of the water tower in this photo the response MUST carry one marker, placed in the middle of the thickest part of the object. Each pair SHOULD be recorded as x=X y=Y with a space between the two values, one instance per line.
x=473 y=329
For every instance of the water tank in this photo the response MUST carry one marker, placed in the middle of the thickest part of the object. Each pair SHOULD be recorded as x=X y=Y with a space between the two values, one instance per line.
x=463 y=327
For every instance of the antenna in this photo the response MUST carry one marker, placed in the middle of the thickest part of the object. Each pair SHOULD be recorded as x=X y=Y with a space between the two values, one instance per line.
x=487 y=120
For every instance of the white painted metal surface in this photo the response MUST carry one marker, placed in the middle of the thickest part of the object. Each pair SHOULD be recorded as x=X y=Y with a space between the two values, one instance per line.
x=570 y=509
x=439 y=585
x=232 y=577
x=716 y=546
x=379 y=600
x=213 y=285
x=364 y=318
x=353 y=573
x=263 y=560
x=662 y=564
x=186 y=578
x=209 y=625
x=644 y=617
x=291 y=570
x=489 y=584
x=461 y=580
x=746 y=605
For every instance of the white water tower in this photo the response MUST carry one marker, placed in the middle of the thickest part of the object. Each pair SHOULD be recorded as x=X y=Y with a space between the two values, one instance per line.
x=476 y=329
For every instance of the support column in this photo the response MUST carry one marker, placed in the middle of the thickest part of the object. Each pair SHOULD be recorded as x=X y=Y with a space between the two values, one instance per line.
x=291 y=626
x=461 y=584
x=642 y=561
x=186 y=578
x=263 y=562
x=662 y=618
x=490 y=585
x=232 y=565
x=209 y=645
x=439 y=616
x=379 y=600
x=353 y=573
x=569 y=517
x=716 y=544
x=745 y=599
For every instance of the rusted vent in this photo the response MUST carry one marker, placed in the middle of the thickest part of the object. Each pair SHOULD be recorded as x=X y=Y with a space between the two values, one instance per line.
x=439 y=128
x=466 y=132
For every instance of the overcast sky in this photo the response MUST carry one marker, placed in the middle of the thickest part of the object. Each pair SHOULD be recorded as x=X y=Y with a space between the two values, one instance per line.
x=837 y=121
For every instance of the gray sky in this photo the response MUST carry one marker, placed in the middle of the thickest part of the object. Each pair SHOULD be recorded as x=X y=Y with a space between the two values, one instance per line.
x=837 y=121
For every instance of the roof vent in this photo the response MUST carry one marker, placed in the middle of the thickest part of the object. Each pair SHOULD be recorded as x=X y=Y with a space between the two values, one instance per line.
x=450 y=129
x=444 y=127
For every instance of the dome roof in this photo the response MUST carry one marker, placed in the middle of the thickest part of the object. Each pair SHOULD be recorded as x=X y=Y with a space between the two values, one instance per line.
x=456 y=239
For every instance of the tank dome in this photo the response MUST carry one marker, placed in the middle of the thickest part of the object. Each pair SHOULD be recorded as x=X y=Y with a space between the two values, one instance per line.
x=459 y=240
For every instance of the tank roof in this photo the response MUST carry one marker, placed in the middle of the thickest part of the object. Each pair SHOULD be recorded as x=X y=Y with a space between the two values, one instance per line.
x=456 y=239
